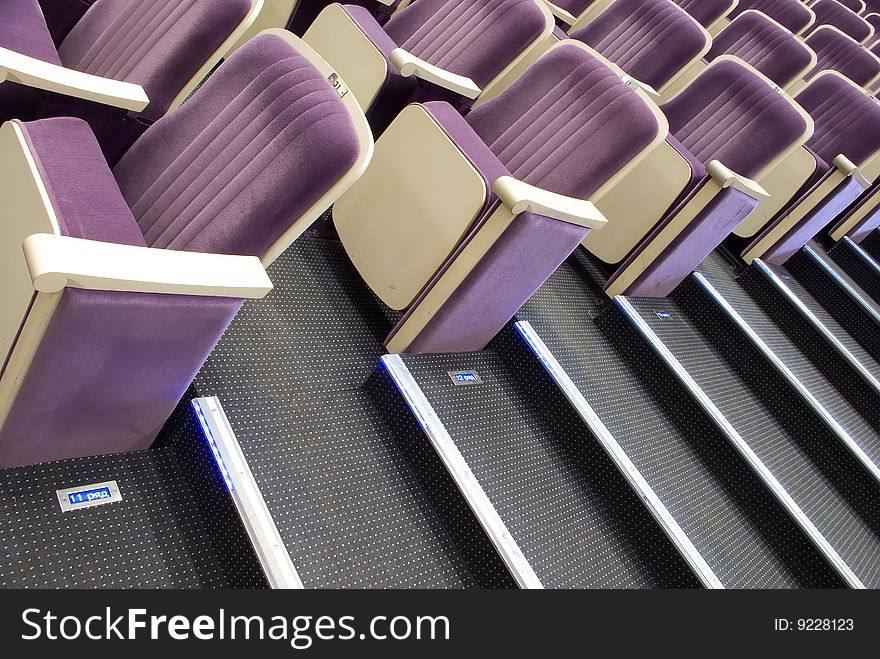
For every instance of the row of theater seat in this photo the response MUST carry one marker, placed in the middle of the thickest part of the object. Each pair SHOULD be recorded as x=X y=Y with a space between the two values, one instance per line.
x=503 y=145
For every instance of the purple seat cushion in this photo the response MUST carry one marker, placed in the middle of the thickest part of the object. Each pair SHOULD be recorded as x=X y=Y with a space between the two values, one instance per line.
x=874 y=21
x=871 y=7
x=81 y=187
x=791 y=14
x=474 y=38
x=24 y=30
x=846 y=120
x=728 y=113
x=159 y=45
x=777 y=54
x=246 y=156
x=837 y=52
x=831 y=12
x=567 y=125
x=852 y=5
x=652 y=40
x=705 y=11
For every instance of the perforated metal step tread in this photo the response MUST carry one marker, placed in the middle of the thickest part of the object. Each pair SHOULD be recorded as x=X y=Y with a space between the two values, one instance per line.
x=720 y=276
x=153 y=538
x=573 y=517
x=807 y=484
x=859 y=265
x=724 y=510
x=291 y=374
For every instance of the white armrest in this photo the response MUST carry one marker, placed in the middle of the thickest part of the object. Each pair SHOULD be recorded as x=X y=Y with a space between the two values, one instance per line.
x=848 y=168
x=565 y=16
x=410 y=65
x=51 y=77
x=56 y=262
x=521 y=197
x=727 y=178
x=644 y=86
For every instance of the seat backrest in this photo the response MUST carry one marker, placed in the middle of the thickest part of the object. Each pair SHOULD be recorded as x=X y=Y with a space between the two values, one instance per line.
x=765 y=45
x=568 y=124
x=474 y=38
x=160 y=44
x=838 y=52
x=731 y=114
x=23 y=29
x=847 y=120
x=853 y=5
x=831 y=12
x=874 y=20
x=871 y=7
x=652 y=40
x=232 y=169
x=793 y=15
x=706 y=12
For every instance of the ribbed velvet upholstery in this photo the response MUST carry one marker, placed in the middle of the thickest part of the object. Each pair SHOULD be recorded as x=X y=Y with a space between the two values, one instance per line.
x=574 y=7
x=837 y=52
x=831 y=12
x=23 y=30
x=81 y=188
x=846 y=120
x=773 y=51
x=705 y=11
x=853 y=5
x=790 y=14
x=729 y=114
x=474 y=38
x=651 y=40
x=566 y=125
x=159 y=44
x=230 y=170
x=871 y=7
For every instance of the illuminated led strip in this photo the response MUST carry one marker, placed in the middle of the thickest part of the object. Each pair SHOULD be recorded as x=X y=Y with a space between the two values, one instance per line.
x=268 y=545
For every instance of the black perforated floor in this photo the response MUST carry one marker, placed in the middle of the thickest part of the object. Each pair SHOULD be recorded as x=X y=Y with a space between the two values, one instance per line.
x=859 y=265
x=733 y=522
x=154 y=538
x=853 y=424
x=786 y=438
x=292 y=373
x=572 y=515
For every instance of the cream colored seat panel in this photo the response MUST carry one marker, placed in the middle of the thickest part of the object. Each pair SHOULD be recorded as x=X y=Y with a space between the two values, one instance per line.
x=338 y=39
x=637 y=202
x=399 y=223
x=26 y=211
x=782 y=182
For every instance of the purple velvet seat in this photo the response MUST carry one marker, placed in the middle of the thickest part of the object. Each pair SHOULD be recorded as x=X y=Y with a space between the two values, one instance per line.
x=838 y=52
x=566 y=126
x=62 y=15
x=24 y=30
x=763 y=44
x=160 y=45
x=831 y=12
x=793 y=15
x=853 y=5
x=652 y=40
x=476 y=39
x=731 y=115
x=847 y=122
x=229 y=173
x=871 y=7
x=706 y=12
